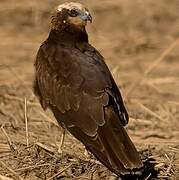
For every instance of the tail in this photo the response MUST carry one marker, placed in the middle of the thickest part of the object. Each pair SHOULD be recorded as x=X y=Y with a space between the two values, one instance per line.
x=120 y=154
x=111 y=145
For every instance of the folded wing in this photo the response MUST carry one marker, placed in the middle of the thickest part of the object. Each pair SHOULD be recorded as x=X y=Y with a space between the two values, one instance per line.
x=78 y=87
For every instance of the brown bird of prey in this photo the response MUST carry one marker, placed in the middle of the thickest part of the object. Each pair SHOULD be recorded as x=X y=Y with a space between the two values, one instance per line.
x=73 y=81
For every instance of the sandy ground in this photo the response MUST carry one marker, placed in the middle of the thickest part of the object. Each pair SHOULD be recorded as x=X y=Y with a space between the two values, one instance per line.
x=139 y=40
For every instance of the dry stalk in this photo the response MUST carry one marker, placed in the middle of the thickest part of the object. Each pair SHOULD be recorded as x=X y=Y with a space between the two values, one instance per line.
x=10 y=97
x=11 y=145
x=60 y=145
x=158 y=81
x=170 y=165
x=32 y=167
x=11 y=70
x=87 y=160
x=5 y=178
x=148 y=177
x=175 y=150
x=21 y=100
x=155 y=134
x=48 y=119
x=173 y=102
x=51 y=151
x=163 y=177
x=157 y=142
x=153 y=86
x=146 y=109
x=141 y=121
x=153 y=66
x=60 y=172
x=81 y=177
x=26 y=122
x=159 y=165
x=5 y=113
x=32 y=104
x=11 y=171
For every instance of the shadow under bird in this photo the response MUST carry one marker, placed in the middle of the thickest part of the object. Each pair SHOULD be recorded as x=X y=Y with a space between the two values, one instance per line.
x=72 y=79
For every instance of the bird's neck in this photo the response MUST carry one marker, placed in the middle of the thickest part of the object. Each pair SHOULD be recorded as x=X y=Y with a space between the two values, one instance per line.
x=68 y=34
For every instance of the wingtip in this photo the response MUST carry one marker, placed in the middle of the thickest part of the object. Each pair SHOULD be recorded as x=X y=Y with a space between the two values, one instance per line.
x=132 y=172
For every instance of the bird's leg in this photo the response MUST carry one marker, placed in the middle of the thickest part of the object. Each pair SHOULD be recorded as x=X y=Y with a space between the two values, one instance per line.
x=60 y=146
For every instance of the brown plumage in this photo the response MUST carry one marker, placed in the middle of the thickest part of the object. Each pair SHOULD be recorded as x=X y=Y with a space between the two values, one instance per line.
x=72 y=79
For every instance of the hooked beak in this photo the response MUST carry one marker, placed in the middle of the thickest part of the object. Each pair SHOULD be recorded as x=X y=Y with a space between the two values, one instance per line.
x=86 y=16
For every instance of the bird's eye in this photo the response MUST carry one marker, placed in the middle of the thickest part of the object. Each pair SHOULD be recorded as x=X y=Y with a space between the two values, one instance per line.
x=73 y=13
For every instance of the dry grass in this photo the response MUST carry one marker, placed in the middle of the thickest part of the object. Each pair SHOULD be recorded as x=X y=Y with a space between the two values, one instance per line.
x=142 y=53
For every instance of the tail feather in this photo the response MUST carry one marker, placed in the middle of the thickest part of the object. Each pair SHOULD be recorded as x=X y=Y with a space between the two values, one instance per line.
x=111 y=145
x=119 y=149
x=113 y=162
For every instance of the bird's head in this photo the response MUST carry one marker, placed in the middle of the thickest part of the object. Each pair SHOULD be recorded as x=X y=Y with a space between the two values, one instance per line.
x=71 y=13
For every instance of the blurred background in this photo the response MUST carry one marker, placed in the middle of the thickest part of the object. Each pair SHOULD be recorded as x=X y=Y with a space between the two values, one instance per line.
x=139 y=40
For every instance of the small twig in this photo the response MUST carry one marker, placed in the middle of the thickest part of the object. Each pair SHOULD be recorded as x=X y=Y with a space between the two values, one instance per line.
x=163 y=177
x=21 y=100
x=158 y=81
x=156 y=134
x=4 y=146
x=90 y=160
x=167 y=143
x=32 y=167
x=93 y=161
x=167 y=157
x=32 y=104
x=148 y=110
x=60 y=172
x=170 y=165
x=81 y=177
x=5 y=113
x=11 y=170
x=162 y=56
x=16 y=75
x=5 y=178
x=175 y=150
x=26 y=122
x=8 y=138
x=60 y=145
x=159 y=165
x=45 y=148
x=48 y=119
x=150 y=68
x=148 y=176
x=173 y=102
x=141 y=121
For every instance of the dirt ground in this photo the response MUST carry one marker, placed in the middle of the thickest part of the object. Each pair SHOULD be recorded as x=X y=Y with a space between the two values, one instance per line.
x=140 y=42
